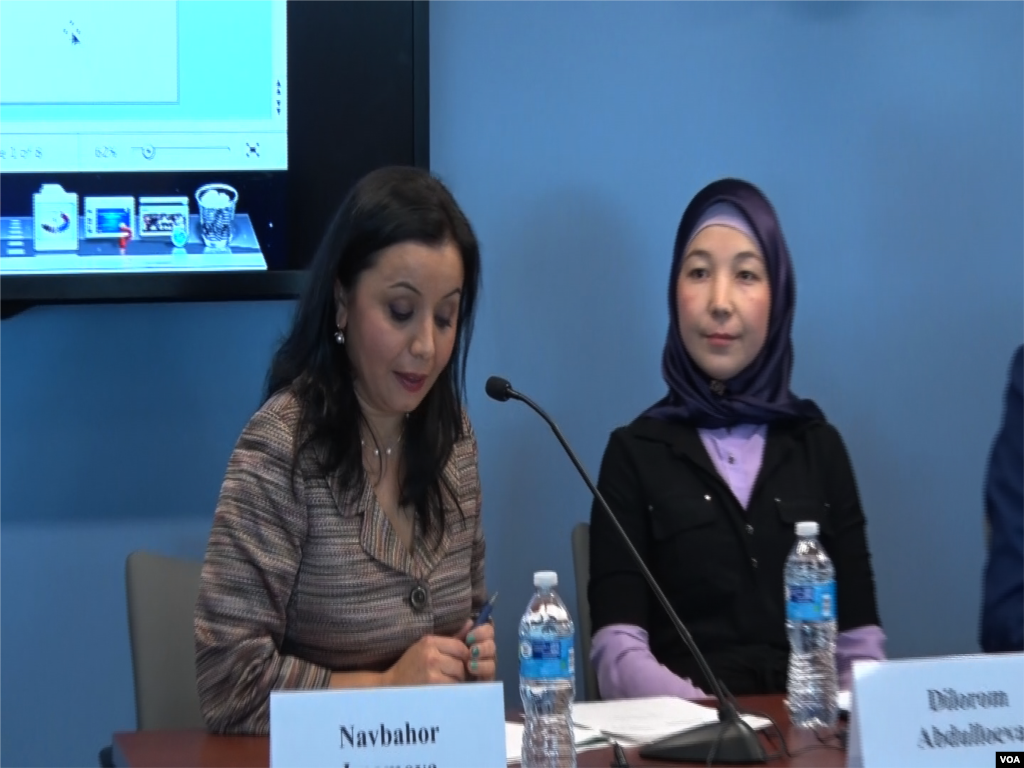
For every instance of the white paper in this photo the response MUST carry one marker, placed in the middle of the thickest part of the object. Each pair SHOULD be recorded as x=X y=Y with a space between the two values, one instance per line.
x=645 y=720
x=304 y=726
x=898 y=717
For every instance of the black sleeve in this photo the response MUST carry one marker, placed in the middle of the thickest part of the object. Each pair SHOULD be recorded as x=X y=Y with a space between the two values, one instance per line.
x=618 y=592
x=1002 y=617
x=847 y=543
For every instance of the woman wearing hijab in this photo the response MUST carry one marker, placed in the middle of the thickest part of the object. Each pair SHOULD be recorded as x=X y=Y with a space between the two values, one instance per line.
x=710 y=481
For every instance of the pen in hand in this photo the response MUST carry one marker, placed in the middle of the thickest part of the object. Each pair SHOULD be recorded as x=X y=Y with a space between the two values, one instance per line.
x=480 y=620
x=485 y=614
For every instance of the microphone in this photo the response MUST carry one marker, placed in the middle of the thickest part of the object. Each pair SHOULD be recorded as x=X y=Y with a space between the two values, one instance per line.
x=730 y=740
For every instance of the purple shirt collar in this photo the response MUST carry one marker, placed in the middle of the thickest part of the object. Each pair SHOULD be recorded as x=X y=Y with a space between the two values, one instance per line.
x=736 y=453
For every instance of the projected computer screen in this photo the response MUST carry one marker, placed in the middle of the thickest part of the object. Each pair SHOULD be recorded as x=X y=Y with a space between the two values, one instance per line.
x=146 y=136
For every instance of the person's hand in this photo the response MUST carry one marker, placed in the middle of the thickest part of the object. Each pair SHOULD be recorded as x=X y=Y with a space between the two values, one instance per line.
x=430 y=660
x=483 y=662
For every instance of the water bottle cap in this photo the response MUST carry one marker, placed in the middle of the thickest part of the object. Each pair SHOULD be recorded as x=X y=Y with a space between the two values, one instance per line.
x=545 y=579
x=807 y=528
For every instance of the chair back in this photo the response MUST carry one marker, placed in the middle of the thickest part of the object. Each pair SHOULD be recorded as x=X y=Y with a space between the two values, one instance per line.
x=162 y=594
x=581 y=566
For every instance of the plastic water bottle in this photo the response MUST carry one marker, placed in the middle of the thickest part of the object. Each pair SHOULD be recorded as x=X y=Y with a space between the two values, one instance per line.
x=547 y=680
x=811 y=626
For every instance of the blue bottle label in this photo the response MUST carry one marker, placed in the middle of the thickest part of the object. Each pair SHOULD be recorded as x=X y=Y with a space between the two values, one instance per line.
x=812 y=602
x=546 y=659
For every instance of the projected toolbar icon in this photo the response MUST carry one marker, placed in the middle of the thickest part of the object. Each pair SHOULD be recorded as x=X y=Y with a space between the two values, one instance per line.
x=55 y=219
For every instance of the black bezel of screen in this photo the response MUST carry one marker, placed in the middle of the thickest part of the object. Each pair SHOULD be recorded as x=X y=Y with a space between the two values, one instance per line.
x=327 y=43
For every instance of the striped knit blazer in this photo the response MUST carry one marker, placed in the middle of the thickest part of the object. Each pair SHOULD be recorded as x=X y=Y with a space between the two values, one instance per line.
x=296 y=586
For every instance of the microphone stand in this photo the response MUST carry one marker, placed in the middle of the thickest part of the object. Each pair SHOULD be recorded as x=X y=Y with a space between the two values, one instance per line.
x=731 y=740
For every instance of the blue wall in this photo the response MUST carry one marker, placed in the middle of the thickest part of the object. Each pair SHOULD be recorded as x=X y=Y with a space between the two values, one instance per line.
x=117 y=423
x=889 y=137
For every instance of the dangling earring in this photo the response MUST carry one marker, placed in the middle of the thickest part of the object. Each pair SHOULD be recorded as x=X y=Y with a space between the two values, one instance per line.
x=339 y=337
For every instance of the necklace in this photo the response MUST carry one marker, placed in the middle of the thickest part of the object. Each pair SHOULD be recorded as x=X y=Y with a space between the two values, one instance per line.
x=387 y=451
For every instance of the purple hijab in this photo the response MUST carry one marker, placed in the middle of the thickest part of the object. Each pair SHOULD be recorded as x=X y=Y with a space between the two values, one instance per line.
x=760 y=393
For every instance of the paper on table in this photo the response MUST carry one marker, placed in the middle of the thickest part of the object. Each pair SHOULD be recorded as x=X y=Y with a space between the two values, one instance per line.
x=585 y=738
x=648 y=719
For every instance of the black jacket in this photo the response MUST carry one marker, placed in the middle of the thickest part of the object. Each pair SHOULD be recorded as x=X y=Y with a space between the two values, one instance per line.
x=722 y=566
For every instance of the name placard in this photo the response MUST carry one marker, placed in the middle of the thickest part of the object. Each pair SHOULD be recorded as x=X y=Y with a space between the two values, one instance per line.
x=430 y=726
x=955 y=711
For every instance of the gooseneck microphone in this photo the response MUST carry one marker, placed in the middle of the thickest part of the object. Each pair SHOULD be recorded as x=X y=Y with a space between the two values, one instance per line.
x=730 y=740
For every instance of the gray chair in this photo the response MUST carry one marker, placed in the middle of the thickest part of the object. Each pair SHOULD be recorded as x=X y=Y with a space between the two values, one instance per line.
x=162 y=593
x=581 y=566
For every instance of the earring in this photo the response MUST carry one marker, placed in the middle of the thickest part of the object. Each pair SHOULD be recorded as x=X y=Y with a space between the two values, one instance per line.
x=339 y=337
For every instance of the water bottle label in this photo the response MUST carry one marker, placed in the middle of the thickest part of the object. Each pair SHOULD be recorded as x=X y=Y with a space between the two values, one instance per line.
x=811 y=602
x=545 y=659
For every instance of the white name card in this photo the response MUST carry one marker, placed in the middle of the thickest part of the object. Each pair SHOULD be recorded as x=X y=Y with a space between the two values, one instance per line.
x=430 y=726
x=955 y=711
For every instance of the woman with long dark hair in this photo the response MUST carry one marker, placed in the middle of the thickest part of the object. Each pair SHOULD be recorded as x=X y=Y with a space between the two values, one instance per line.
x=347 y=546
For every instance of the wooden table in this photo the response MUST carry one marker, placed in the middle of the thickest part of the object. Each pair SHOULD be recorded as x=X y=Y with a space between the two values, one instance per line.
x=198 y=749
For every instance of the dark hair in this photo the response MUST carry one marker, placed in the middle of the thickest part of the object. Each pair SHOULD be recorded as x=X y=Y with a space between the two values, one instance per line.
x=387 y=206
